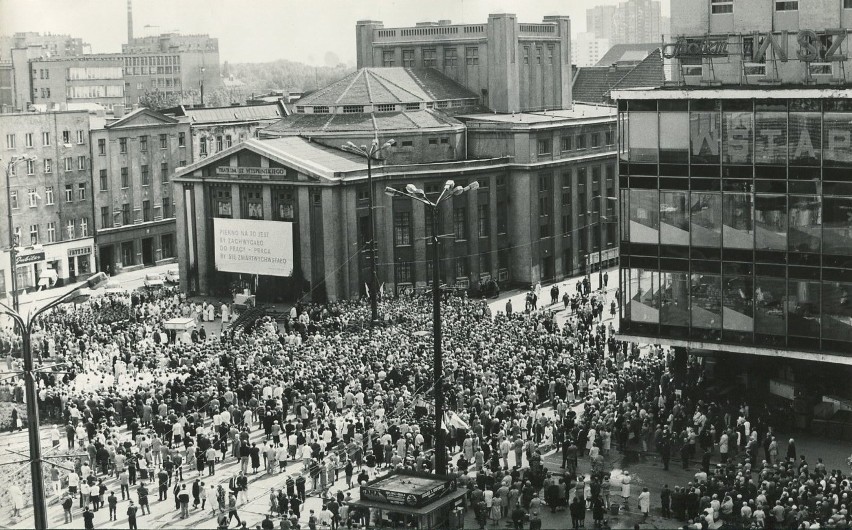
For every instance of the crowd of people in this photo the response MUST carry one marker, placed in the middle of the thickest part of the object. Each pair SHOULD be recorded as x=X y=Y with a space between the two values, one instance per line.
x=326 y=402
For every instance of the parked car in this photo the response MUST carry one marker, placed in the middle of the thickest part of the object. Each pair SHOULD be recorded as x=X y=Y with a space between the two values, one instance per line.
x=173 y=276
x=153 y=280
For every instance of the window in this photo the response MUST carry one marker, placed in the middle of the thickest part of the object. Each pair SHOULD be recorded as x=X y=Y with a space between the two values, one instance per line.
x=164 y=172
x=484 y=220
x=847 y=4
x=581 y=141
x=69 y=163
x=164 y=141
x=228 y=140
x=445 y=140
x=430 y=57
x=48 y=195
x=13 y=198
x=566 y=143
x=33 y=234
x=145 y=175
x=451 y=58
x=609 y=138
x=84 y=227
x=81 y=163
x=471 y=56
x=146 y=211
x=353 y=109
x=408 y=58
x=125 y=213
x=30 y=167
x=48 y=165
x=786 y=5
x=102 y=175
x=461 y=267
x=407 y=143
x=526 y=55
x=122 y=145
x=412 y=106
x=385 y=108
x=81 y=191
x=101 y=146
x=45 y=138
x=105 y=222
x=10 y=141
x=544 y=146
x=182 y=139
x=387 y=57
x=460 y=223
x=66 y=137
x=143 y=144
x=80 y=137
x=402 y=228
x=202 y=145
x=69 y=229
x=219 y=143
x=125 y=178
x=51 y=232
x=32 y=197
x=69 y=193
x=403 y=272
x=28 y=139
x=596 y=140
x=167 y=208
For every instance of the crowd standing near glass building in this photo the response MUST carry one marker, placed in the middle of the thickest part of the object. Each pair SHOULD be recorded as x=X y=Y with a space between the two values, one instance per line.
x=736 y=203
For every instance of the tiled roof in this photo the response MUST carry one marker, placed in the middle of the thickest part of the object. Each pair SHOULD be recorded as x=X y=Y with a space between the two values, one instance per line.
x=629 y=53
x=382 y=121
x=234 y=113
x=377 y=86
x=593 y=84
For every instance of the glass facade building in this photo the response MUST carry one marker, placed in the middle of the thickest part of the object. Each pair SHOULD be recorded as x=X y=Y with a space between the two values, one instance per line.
x=737 y=221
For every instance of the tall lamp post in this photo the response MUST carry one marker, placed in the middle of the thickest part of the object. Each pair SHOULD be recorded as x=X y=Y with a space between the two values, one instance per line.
x=31 y=387
x=600 y=245
x=13 y=250
x=417 y=194
x=369 y=153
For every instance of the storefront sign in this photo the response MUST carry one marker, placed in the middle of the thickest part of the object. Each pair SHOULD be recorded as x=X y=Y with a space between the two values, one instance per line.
x=411 y=499
x=813 y=46
x=79 y=251
x=686 y=48
x=263 y=172
x=29 y=258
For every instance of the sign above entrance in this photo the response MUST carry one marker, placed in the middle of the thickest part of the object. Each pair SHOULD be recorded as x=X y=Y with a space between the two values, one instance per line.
x=35 y=257
x=262 y=172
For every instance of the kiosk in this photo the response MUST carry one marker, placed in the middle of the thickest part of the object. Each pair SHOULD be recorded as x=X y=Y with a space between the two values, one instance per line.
x=412 y=500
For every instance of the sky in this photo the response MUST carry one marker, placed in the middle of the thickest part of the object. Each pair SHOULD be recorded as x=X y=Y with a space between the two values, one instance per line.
x=266 y=30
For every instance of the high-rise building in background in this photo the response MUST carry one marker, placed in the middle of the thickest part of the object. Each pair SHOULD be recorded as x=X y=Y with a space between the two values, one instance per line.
x=630 y=22
x=587 y=49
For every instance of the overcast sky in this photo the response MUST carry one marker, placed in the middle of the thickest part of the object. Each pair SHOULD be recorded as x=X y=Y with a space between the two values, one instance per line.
x=265 y=30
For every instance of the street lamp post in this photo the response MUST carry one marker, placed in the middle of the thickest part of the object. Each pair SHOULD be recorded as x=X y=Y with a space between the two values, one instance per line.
x=369 y=153
x=31 y=389
x=600 y=243
x=413 y=192
x=13 y=250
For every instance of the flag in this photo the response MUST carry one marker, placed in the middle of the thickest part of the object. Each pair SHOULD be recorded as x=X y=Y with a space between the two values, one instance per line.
x=367 y=287
x=382 y=291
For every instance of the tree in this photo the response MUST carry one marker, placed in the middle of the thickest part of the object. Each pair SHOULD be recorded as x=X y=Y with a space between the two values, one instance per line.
x=156 y=100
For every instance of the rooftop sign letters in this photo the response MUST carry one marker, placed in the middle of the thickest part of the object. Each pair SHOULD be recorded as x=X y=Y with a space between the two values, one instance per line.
x=812 y=46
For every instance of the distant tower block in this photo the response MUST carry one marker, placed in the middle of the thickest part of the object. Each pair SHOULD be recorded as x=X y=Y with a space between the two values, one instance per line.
x=129 y=21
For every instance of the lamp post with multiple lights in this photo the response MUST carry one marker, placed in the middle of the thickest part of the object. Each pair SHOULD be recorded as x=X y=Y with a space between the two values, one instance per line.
x=369 y=153
x=417 y=194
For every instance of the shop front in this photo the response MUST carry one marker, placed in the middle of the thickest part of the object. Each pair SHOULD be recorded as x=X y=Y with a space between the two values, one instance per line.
x=412 y=500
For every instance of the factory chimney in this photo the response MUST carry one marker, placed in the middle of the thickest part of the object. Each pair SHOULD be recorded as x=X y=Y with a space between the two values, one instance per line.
x=129 y=21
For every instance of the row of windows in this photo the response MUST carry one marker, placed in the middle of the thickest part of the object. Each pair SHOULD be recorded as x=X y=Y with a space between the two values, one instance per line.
x=156 y=60
x=404 y=270
x=49 y=198
x=538 y=51
x=451 y=58
x=221 y=143
x=403 y=229
x=145 y=215
x=578 y=142
x=144 y=171
x=143 y=143
x=47 y=164
x=29 y=139
x=152 y=70
x=71 y=231
x=719 y=7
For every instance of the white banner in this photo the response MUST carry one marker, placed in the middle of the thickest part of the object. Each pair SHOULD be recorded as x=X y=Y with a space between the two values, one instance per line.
x=253 y=247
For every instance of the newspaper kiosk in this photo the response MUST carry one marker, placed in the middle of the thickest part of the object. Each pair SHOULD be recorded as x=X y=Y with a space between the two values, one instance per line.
x=412 y=500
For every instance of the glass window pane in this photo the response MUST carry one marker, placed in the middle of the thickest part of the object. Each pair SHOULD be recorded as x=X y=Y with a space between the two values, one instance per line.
x=644 y=296
x=704 y=137
x=837 y=139
x=805 y=223
x=770 y=219
x=738 y=226
x=643 y=137
x=624 y=216
x=737 y=144
x=674 y=221
x=805 y=138
x=770 y=138
x=706 y=293
x=738 y=304
x=769 y=311
x=625 y=134
x=644 y=217
x=837 y=311
x=674 y=137
x=705 y=220
x=803 y=308
x=674 y=299
x=837 y=229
